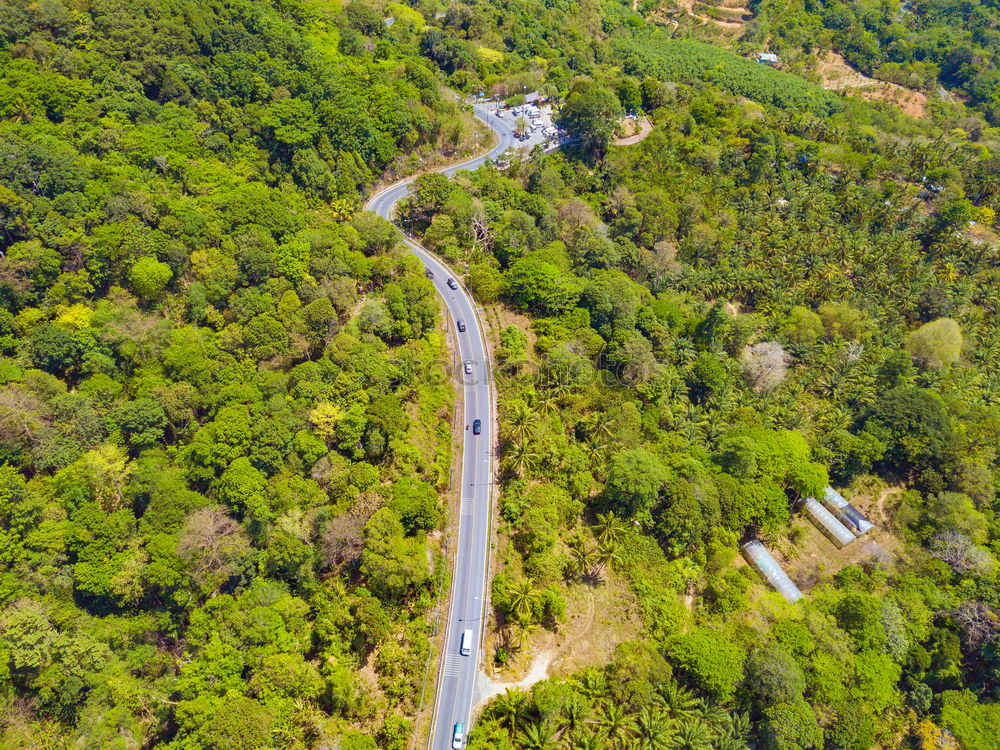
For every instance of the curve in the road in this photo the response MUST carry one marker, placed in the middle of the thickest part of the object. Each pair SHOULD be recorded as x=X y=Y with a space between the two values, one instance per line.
x=470 y=584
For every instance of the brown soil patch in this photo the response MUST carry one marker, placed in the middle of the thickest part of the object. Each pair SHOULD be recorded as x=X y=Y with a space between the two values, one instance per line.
x=837 y=75
x=601 y=618
x=814 y=558
x=730 y=20
x=635 y=131
x=598 y=619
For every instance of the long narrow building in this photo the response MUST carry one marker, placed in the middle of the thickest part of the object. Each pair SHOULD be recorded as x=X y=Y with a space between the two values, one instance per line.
x=826 y=522
x=850 y=516
x=758 y=556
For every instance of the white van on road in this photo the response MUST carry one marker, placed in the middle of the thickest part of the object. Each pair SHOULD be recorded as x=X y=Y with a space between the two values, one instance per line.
x=465 y=649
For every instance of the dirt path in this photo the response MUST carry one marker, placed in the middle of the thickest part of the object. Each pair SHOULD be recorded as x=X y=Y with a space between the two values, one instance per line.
x=490 y=689
x=645 y=128
x=883 y=496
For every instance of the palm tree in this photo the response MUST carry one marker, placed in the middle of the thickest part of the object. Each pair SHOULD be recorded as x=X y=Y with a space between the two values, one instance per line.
x=510 y=709
x=522 y=597
x=523 y=631
x=692 y=734
x=582 y=556
x=713 y=714
x=614 y=721
x=592 y=683
x=581 y=741
x=574 y=712
x=677 y=700
x=607 y=556
x=653 y=729
x=548 y=403
x=610 y=528
x=733 y=730
x=595 y=453
x=522 y=460
x=537 y=737
x=522 y=421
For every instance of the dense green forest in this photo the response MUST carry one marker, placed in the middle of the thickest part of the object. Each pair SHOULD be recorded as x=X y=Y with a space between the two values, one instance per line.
x=921 y=44
x=223 y=462
x=778 y=289
x=221 y=454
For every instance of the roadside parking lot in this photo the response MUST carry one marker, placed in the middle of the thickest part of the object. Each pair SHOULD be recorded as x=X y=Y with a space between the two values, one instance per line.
x=536 y=119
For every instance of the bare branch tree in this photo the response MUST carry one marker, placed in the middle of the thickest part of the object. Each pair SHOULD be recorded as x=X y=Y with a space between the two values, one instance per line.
x=343 y=541
x=979 y=623
x=957 y=550
x=212 y=544
x=765 y=365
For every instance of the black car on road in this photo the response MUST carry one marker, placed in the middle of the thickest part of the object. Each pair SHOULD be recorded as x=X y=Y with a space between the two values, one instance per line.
x=461 y=325
x=477 y=426
x=452 y=284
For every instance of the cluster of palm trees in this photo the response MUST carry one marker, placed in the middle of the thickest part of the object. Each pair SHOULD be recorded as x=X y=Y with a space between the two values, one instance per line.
x=522 y=455
x=589 y=560
x=591 y=718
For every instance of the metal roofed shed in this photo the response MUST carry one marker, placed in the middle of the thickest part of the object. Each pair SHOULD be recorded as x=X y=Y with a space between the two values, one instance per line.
x=847 y=513
x=758 y=556
x=835 y=531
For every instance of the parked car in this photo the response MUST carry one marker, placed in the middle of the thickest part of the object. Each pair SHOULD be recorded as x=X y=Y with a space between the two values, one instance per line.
x=477 y=426
x=429 y=273
x=461 y=325
x=452 y=284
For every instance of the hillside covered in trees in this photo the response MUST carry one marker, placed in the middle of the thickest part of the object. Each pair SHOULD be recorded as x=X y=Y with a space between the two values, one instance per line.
x=220 y=455
x=222 y=463
x=779 y=289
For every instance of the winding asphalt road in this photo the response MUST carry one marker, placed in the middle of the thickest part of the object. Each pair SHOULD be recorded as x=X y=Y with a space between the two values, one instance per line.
x=470 y=585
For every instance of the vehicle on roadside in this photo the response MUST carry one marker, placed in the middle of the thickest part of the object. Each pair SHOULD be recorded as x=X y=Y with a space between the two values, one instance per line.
x=429 y=273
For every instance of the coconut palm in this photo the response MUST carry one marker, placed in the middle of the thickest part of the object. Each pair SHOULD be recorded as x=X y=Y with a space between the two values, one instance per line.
x=581 y=556
x=522 y=632
x=522 y=597
x=610 y=529
x=522 y=460
x=596 y=454
x=522 y=421
x=607 y=555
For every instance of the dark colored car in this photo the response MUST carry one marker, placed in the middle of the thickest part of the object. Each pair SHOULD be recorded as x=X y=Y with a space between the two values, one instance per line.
x=461 y=325
x=452 y=284
x=477 y=426
x=429 y=273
